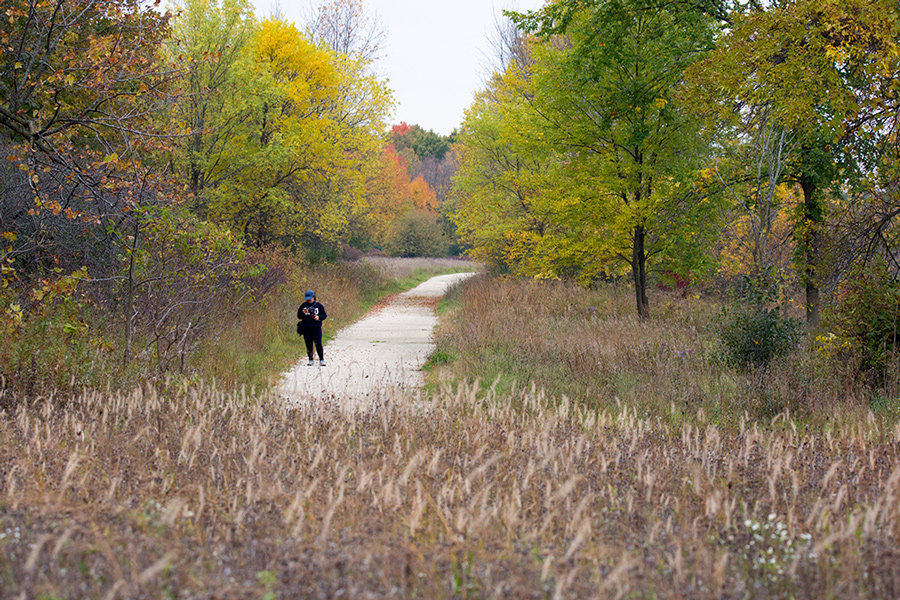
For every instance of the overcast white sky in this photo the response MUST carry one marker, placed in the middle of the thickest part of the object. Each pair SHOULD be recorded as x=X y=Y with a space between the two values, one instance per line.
x=435 y=51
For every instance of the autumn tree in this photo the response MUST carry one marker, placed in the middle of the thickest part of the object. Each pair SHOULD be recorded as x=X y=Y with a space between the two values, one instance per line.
x=284 y=137
x=330 y=198
x=286 y=129
x=347 y=28
x=429 y=155
x=499 y=207
x=386 y=184
x=824 y=73
x=424 y=143
x=211 y=41
x=618 y=152
x=391 y=193
x=81 y=82
x=72 y=65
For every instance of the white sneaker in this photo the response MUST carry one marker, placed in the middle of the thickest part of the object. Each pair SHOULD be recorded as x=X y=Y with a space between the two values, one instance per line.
x=310 y=363
x=321 y=363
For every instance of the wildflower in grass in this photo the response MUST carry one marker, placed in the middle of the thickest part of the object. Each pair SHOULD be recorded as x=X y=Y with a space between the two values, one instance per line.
x=767 y=547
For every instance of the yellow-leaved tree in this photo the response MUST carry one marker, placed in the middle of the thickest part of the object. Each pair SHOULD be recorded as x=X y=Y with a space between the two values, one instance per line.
x=285 y=139
x=287 y=127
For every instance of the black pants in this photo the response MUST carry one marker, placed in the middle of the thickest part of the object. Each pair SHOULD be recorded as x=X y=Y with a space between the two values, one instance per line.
x=313 y=335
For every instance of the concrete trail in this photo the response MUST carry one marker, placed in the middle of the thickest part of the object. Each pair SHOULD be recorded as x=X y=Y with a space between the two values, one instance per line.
x=376 y=357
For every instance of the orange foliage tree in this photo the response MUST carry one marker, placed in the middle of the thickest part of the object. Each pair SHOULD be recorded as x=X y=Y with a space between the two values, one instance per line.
x=79 y=85
x=391 y=193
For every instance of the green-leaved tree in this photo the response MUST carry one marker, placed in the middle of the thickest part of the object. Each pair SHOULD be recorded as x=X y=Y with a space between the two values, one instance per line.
x=598 y=157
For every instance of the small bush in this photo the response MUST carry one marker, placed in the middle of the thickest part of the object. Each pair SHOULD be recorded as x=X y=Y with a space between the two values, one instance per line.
x=755 y=330
x=59 y=346
x=350 y=253
x=416 y=233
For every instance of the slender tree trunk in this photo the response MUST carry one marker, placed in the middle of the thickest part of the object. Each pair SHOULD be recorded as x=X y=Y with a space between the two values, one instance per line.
x=196 y=172
x=639 y=271
x=812 y=217
x=264 y=130
x=129 y=296
x=195 y=180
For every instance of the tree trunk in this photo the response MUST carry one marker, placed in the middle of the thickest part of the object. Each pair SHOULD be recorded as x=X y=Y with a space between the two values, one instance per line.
x=812 y=217
x=129 y=296
x=812 y=304
x=129 y=303
x=639 y=271
x=196 y=172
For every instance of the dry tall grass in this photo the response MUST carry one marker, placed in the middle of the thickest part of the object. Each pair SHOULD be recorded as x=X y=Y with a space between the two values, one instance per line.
x=590 y=345
x=200 y=494
x=189 y=491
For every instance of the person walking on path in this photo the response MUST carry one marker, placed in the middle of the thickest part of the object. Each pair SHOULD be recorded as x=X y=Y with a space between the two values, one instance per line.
x=310 y=315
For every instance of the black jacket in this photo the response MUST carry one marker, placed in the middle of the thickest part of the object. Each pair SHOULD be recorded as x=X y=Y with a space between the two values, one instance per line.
x=306 y=318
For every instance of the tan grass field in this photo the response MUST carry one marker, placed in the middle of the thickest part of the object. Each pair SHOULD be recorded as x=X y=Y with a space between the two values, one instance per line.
x=589 y=345
x=405 y=268
x=199 y=494
x=466 y=492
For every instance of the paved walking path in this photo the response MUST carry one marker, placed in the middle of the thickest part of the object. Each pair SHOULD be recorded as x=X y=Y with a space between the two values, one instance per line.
x=376 y=357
